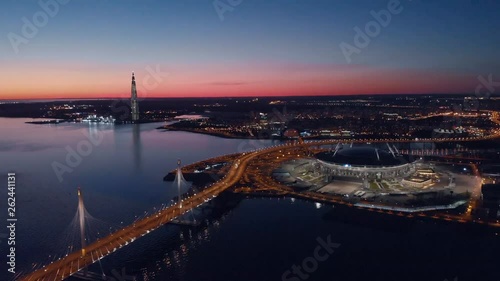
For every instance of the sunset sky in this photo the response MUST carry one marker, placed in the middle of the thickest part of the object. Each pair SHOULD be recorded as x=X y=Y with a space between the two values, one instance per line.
x=88 y=48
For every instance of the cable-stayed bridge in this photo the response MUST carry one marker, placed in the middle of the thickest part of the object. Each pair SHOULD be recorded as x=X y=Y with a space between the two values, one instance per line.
x=93 y=252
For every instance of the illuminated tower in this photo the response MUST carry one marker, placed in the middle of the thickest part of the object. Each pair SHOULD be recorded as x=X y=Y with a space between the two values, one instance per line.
x=133 y=101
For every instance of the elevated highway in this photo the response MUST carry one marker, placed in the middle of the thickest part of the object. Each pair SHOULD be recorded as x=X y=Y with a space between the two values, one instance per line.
x=99 y=249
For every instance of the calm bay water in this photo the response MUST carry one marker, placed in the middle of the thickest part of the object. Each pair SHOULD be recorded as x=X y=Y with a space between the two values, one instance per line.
x=258 y=239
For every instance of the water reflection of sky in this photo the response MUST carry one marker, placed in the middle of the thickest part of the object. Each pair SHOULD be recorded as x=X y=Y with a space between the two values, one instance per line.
x=121 y=176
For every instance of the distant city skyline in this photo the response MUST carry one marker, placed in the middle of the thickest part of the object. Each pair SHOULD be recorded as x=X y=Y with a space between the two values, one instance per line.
x=87 y=49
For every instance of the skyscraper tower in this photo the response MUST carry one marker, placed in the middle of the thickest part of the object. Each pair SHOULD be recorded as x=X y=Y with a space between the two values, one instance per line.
x=134 y=104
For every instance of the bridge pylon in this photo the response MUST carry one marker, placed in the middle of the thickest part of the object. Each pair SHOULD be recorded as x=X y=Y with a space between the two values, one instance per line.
x=179 y=178
x=81 y=217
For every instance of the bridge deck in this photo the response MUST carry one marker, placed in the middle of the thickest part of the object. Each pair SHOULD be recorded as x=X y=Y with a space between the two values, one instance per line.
x=78 y=260
x=75 y=261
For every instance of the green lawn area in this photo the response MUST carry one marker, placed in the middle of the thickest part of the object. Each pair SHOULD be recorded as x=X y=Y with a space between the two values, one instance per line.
x=374 y=186
x=385 y=185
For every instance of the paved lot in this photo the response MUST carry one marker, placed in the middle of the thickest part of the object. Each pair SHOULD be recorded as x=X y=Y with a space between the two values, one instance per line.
x=341 y=187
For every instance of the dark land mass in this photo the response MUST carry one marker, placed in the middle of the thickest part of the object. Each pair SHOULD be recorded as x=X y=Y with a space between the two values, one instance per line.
x=382 y=116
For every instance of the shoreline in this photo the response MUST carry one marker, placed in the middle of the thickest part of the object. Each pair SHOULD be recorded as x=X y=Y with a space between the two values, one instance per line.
x=227 y=136
x=319 y=138
x=59 y=121
x=221 y=135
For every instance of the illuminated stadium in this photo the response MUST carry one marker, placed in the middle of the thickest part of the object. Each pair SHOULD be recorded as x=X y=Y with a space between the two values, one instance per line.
x=364 y=162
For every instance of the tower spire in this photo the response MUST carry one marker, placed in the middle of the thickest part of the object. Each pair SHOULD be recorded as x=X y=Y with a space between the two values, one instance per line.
x=134 y=105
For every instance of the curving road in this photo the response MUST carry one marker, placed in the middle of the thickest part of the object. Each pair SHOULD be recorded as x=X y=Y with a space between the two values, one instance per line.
x=78 y=260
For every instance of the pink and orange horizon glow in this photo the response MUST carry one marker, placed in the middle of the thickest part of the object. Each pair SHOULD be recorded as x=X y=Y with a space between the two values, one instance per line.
x=44 y=80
